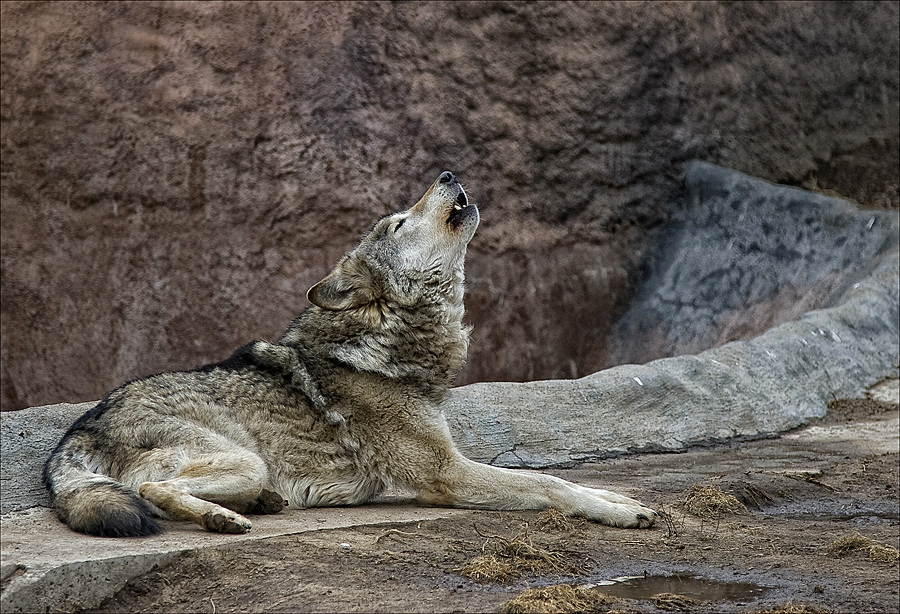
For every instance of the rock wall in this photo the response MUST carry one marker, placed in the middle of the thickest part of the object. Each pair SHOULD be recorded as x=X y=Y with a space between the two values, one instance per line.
x=176 y=175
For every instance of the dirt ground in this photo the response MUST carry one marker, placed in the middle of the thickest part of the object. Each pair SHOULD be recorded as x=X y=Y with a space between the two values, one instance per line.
x=817 y=532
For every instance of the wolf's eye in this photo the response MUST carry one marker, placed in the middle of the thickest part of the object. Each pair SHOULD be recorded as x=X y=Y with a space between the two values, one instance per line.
x=398 y=225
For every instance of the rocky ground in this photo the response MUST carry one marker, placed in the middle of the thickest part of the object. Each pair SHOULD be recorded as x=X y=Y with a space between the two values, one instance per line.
x=807 y=522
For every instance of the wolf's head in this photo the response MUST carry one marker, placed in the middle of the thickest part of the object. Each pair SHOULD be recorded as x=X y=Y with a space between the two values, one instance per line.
x=405 y=256
x=394 y=305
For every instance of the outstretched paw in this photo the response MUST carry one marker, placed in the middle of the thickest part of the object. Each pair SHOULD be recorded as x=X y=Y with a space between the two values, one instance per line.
x=634 y=517
x=611 y=508
x=225 y=521
x=645 y=518
x=625 y=516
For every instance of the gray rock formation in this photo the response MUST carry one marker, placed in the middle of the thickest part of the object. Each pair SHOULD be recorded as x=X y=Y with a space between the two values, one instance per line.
x=743 y=248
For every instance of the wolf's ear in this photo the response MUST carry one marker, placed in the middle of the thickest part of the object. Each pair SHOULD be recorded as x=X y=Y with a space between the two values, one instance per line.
x=348 y=286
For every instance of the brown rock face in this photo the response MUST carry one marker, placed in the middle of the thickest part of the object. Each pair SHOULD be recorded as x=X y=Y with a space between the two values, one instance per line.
x=175 y=176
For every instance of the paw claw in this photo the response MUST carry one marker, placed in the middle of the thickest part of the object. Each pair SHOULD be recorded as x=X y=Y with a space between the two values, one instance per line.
x=645 y=519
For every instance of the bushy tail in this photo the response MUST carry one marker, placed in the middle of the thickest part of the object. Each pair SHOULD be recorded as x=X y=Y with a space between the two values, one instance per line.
x=93 y=503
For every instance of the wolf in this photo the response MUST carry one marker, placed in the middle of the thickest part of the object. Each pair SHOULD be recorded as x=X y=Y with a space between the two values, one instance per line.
x=344 y=405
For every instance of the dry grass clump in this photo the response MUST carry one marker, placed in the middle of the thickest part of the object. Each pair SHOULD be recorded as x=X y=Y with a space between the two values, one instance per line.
x=551 y=519
x=673 y=602
x=710 y=502
x=512 y=557
x=491 y=568
x=794 y=607
x=884 y=554
x=854 y=542
x=558 y=599
x=848 y=543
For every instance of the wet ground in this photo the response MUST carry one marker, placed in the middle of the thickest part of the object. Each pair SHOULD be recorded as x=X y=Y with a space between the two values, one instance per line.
x=803 y=493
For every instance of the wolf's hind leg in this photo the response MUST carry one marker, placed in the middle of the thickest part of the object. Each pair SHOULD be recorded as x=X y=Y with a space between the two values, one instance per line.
x=207 y=485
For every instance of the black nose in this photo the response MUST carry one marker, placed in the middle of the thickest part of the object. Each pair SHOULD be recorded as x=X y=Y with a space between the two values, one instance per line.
x=447 y=177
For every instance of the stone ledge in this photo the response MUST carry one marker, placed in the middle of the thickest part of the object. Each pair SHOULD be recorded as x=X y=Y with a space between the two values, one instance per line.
x=47 y=567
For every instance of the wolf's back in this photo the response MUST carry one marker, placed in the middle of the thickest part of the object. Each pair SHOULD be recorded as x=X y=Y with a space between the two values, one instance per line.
x=90 y=502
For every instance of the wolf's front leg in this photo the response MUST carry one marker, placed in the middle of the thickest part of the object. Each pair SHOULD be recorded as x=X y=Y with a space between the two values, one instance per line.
x=465 y=483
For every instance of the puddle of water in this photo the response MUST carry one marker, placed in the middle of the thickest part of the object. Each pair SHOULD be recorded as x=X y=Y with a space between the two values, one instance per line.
x=689 y=585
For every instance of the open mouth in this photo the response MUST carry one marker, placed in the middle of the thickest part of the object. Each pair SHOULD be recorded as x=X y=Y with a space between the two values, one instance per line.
x=461 y=209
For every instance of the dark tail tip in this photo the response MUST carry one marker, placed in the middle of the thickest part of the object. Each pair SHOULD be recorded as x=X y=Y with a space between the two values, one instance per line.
x=107 y=509
x=124 y=523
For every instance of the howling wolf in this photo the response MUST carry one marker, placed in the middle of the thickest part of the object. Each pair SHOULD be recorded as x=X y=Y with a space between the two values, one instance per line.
x=346 y=403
